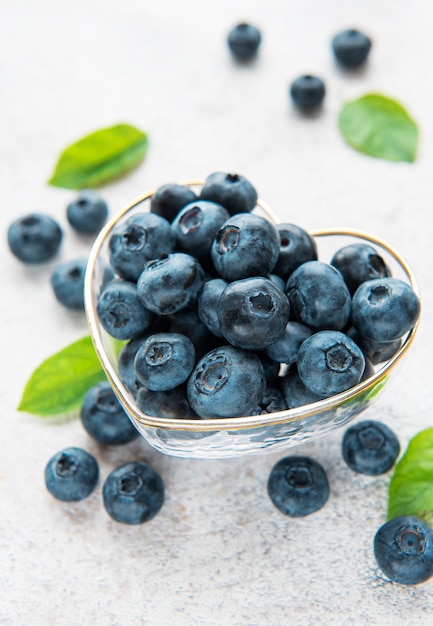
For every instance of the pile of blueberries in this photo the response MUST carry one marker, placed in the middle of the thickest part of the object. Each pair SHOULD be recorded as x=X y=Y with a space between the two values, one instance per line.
x=350 y=48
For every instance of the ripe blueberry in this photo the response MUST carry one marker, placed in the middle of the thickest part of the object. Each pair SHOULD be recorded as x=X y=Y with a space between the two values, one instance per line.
x=34 y=238
x=244 y=40
x=307 y=92
x=120 y=311
x=169 y=199
x=233 y=191
x=296 y=247
x=67 y=281
x=369 y=447
x=88 y=212
x=359 y=262
x=351 y=48
x=71 y=474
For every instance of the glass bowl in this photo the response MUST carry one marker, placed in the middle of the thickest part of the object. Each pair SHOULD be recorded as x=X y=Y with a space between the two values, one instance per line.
x=238 y=436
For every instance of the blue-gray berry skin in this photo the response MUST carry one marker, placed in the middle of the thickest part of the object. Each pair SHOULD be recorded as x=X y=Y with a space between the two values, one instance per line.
x=298 y=486
x=208 y=304
x=141 y=238
x=169 y=199
x=319 y=296
x=121 y=312
x=187 y=322
x=370 y=447
x=71 y=474
x=87 y=213
x=67 y=281
x=296 y=247
x=252 y=313
x=273 y=399
x=243 y=41
x=295 y=392
x=170 y=404
x=246 y=245
x=329 y=362
x=126 y=365
x=170 y=283
x=285 y=349
x=164 y=361
x=226 y=382
x=307 y=92
x=359 y=262
x=384 y=309
x=403 y=548
x=375 y=351
x=34 y=238
x=278 y=282
x=103 y=417
x=133 y=493
x=196 y=225
x=351 y=48
x=233 y=191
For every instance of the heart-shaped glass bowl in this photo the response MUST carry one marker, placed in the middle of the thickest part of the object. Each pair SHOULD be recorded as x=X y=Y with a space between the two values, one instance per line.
x=238 y=436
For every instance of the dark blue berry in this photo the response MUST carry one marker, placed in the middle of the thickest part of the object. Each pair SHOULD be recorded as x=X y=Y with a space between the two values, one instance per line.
x=208 y=303
x=71 y=474
x=164 y=361
x=34 y=238
x=170 y=404
x=298 y=486
x=273 y=399
x=359 y=262
x=103 y=417
x=295 y=392
x=329 y=362
x=351 y=48
x=196 y=225
x=233 y=191
x=226 y=382
x=169 y=199
x=253 y=313
x=88 y=212
x=187 y=322
x=384 y=309
x=370 y=447
x=296 y=247
x=375 y=351
x=244 y=41
x=285 y=349
x=120 y=311
x=403 y=548
x=67 y=281
x=133 y=493
x=126 y=365
x=307 y=92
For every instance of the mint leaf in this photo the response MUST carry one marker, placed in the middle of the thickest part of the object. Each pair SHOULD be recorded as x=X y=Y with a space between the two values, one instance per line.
x=60 y=383
x=380 y=127
x=100 y=157
x=411 y=486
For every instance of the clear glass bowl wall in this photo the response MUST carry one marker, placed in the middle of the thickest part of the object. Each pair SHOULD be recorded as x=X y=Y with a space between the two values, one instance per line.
x=230 y=437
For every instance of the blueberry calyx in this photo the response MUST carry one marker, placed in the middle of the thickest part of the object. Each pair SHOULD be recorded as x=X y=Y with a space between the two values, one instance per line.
x=227 y=239
x=213 y=375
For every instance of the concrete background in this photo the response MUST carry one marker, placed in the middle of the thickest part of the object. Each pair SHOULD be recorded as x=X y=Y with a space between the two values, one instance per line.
x=218 y=552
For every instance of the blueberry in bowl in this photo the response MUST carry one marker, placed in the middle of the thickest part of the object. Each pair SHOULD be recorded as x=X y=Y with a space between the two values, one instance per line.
x=248 y=375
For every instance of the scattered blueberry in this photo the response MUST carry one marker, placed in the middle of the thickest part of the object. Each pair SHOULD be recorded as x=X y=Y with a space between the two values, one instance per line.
x=307 y=92
x=298 y=486
x=34 y=238
x=67 y=281
x=244 y=41
x=120 y=311
x=359 y=262
x=351 y=48
x=369 y=447
x=233 y=191
x=103 y=417
x=133 y=493
x=403 y=548
x=169 y=199
x=71 y=474
x=88 y=212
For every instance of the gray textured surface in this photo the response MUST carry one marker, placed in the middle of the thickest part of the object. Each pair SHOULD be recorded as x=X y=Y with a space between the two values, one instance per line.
x=218 y=553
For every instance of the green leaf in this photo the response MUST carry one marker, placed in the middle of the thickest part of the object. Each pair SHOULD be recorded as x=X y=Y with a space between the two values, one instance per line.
x=100 y=157
x=411 y=486
x=60 y=383
x=380 y=127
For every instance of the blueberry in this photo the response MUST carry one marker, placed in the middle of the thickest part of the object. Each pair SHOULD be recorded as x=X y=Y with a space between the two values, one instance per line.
x=141 y=238
x=126 y=365
x=164 y=361
x=351 y=48
x=285 y=349
x=384 y=309
x=295 y=392
x=375 y=351
x=34 y=238
x=244 y=41
x=273 y=400
x=296 y=247
x=359 y=262
x=208 y=302
x=67 y=281
x=329 y=362
x=103 y=417
x=246 y=245
x=319 y=296
x=187 y=322
x=307 y=92
x=196 y=225
x=169 y=199
x=278 y=282
x=370 y=447
x=298 y=486
x=170 y=404
x=253 y=313
x=171 y=283
x=120 y=311
x=233 y=191
x=88 y=212
x=226 y=382
x=71 y=474
x=133 y=493
x=403 y=548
